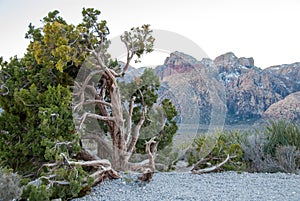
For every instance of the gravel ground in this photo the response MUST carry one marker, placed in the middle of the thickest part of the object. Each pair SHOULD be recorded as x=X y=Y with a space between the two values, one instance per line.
x=186 y=186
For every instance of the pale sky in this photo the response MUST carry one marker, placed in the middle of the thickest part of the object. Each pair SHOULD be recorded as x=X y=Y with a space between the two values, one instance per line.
x=267 y=30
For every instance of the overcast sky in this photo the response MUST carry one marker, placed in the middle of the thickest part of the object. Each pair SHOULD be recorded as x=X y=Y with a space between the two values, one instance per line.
x=267 y=30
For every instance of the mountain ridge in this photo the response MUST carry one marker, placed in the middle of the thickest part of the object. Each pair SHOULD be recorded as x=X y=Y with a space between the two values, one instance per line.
x=249 y=90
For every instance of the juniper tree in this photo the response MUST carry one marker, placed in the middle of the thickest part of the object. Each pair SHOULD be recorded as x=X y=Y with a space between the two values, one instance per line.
x=38 y=134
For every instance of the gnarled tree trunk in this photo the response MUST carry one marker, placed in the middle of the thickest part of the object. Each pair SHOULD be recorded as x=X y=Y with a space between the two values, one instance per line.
x=106 y=97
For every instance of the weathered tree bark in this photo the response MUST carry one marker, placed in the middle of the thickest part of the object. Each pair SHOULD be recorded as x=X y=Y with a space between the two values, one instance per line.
x=124 y=138
x=106 y=97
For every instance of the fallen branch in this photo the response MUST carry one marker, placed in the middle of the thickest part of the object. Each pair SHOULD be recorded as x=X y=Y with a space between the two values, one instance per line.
x=93 y=163
x=103 y=173
x=51 y=182
x=211 y=169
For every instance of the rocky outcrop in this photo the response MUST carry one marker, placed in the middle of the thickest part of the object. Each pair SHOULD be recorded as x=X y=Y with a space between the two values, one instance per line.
x=251 y=90
x=288 y=109
x=230 y=67
x=176 y=63
x=191 y=85
x=249 y=95
x=288 y=75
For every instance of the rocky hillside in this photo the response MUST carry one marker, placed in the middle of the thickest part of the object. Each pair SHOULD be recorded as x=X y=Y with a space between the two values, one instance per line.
x=198 y=87
x=193 y=86
x=288 y=108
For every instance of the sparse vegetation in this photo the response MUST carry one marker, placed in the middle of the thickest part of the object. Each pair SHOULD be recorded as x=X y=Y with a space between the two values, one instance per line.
x=274 y=149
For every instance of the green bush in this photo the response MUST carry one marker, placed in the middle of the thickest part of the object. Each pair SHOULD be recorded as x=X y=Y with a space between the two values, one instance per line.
x=225 y=143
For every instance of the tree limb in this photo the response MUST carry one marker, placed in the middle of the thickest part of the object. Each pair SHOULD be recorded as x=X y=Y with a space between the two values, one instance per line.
x=94 y=163
x=6 y=88
x=151 y=148
x=95 y=116
x=136 y=135
x=129 y=120
x=97 y=101
x=213 y=168
x=137 y=129
x=81 y=89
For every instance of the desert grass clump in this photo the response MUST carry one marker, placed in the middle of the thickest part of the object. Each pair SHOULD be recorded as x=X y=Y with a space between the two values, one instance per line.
x=281 y=133
x=254 y=155
x=274 y=149
x=288 y=158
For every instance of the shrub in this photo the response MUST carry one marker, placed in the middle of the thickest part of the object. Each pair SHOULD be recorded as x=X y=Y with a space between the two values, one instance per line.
x=274 y=149
x=226 y=143
x=287 y=157
x=9 y=185
x=255 y=157
x=281 y=133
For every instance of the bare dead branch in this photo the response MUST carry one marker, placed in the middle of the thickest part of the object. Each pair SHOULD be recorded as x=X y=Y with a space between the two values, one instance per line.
x=136 y=134
x=6 y=88
x=95 y=116
x=213 y=168
x=151 y=149
x=94 y=163
x=51 y=182
x=137 y=129
x=81 y=89
x=97 y=101
x=103 y=67
x=90 y=76
x=129 y=57
x=113 y=72
x=61 y=143
x=76 y=87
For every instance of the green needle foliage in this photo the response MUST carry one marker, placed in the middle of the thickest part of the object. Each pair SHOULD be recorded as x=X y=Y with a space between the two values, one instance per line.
x=36 y=125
